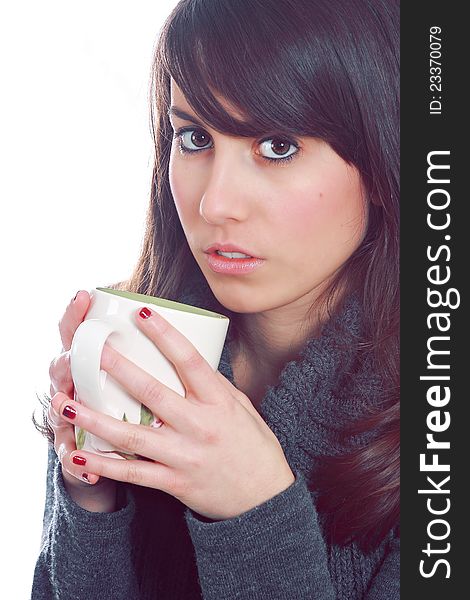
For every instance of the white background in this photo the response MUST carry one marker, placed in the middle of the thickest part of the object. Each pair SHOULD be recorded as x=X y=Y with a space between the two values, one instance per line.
x=75 y=166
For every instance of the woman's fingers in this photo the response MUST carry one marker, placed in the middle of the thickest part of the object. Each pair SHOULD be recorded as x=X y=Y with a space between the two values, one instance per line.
x=64 y=445
x=61 y=375
x=162 y=401
x=73 y=316
x=138 y=472
x=59 y=369
x=129 y=437
x=61 y=381
x=197 y=375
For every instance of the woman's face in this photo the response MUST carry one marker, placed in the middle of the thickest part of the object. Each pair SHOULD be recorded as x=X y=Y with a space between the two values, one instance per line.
x=303 y=217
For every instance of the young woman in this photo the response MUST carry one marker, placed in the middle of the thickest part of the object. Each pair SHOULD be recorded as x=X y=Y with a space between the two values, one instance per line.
x=275 y=202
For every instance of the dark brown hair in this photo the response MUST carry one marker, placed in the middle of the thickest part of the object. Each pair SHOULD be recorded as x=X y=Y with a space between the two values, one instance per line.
x=322 y=68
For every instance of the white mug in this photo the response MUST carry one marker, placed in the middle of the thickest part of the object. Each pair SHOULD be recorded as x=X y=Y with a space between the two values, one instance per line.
x=111 y=319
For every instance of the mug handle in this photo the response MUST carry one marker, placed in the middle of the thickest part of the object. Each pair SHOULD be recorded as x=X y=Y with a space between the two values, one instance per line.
x=85 y=358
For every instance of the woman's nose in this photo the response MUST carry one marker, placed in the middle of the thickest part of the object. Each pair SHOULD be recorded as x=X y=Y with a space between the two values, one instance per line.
x=226 y=196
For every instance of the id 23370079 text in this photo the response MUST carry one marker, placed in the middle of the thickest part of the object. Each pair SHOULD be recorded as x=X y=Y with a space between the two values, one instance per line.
x=435 y=70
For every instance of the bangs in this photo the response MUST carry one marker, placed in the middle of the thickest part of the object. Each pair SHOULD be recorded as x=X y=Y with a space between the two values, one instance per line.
x=252 y=55
x=326 y=69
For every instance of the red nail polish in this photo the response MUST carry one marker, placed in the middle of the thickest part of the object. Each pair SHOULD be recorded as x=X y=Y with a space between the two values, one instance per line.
x=145 y=313
x=79 y=460
x=85 y=477
x=69 y=412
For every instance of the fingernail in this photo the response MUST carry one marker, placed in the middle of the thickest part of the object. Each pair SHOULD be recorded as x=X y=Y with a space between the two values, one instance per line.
x=85 y=477
x=79 y=460
x=145 y=313
x=69 y=412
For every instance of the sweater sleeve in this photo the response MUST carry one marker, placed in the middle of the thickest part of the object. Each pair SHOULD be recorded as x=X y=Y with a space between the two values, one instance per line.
x=275 y=550
x=83 y=554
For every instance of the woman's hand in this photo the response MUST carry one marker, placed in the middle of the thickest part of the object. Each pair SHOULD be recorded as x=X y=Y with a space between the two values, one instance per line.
x=100 y=497
x=213 y=452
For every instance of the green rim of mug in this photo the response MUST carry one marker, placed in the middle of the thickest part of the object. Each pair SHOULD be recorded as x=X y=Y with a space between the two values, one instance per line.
x=163 y=303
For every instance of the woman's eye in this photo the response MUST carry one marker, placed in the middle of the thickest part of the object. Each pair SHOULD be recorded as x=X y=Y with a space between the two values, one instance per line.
x=275 y=150
x=278 y=149
x=192 y=140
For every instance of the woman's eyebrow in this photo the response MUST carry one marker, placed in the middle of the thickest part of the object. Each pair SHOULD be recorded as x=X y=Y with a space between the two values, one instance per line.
x=174 y=110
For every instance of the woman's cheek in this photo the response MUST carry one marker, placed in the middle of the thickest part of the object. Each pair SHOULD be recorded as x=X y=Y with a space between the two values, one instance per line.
x=303 y=214
x=179 y=187
x=173 y=175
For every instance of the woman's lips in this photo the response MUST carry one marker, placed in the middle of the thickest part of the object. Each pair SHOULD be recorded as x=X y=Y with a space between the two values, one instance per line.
x=229 y=247
x=233 y=266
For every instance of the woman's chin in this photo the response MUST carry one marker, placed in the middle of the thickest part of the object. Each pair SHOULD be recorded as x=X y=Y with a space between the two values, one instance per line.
x=234 y=302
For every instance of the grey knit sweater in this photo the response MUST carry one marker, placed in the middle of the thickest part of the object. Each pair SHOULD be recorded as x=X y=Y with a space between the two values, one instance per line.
x=155 y=548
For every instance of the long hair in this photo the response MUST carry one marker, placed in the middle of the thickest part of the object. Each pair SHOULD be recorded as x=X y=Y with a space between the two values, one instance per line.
x=322 y=68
